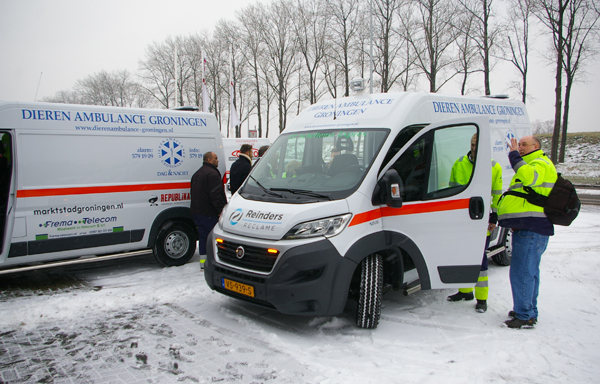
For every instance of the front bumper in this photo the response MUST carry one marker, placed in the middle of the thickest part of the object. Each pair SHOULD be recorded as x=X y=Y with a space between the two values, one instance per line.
x=310 y=279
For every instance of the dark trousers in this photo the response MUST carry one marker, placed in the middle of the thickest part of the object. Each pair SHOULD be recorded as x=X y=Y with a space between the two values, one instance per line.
x=205 y=224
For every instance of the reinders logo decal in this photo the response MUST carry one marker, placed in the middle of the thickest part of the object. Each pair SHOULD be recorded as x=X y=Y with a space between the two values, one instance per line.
x=256 y=220
x=236 y=216
x=171 y=153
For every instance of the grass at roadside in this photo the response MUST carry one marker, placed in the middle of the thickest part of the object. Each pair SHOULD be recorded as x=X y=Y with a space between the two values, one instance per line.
x=582 y=157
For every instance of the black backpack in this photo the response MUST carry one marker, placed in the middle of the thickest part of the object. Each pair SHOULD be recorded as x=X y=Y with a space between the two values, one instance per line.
x=561 y=206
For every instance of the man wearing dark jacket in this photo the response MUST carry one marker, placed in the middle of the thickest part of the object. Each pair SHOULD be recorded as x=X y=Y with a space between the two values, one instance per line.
x=241 y=168
x=207 y=198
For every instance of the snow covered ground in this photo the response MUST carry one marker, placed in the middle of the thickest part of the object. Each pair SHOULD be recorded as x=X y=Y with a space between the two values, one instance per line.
x=136 y=322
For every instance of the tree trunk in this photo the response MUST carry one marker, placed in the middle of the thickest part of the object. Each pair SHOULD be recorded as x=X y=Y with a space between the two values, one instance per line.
x=486 y=49
x=558 y=89
x=524 y=91
x=563 y=138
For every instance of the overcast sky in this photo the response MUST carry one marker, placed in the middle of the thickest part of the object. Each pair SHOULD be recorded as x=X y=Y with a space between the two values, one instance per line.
x=67 y=40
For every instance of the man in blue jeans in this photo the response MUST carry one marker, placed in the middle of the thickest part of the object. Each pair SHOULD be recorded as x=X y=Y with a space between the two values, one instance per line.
x=531 y=228
x=207 y=199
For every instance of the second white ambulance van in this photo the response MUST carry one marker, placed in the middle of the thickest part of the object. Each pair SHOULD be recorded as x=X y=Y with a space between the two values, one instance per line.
x=80 y=180
x=354 y=198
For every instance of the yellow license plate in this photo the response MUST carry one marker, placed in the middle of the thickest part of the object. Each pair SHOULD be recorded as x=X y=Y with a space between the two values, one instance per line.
x=240 y=288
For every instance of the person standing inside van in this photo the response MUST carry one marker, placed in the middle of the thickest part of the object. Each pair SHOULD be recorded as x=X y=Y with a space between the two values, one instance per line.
x=207 y=199
x=531 y=228
x=241 y=168
x=461 y=175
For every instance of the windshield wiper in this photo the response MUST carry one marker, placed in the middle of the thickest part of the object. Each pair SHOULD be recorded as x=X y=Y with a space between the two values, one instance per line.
x=302 y=192
x=267 y=190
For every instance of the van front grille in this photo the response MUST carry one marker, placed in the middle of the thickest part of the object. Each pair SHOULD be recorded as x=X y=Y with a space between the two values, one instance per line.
x=255 y=258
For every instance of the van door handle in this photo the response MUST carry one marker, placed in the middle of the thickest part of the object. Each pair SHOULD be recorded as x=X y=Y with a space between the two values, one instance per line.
x=476 y=208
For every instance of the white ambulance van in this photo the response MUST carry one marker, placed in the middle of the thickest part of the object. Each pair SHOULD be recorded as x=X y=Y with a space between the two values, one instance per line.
x=353 y=199
x=83 y=180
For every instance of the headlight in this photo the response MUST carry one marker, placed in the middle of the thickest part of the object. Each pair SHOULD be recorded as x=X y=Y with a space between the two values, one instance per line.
x=328 y=227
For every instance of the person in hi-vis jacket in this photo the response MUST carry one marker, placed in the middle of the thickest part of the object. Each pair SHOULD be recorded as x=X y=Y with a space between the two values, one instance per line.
x=461 y=173
x=531 y=229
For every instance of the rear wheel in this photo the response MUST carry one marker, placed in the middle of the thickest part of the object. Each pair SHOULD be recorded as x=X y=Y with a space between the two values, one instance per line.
x=504 y=257
x=175 y=244
x=371 y=286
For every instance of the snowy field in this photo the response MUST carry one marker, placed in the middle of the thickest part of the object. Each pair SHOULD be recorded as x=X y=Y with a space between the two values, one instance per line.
x=142 y=323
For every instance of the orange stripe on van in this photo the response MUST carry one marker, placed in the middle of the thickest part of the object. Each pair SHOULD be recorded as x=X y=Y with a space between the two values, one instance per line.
x=103 y=189
x=412 y=209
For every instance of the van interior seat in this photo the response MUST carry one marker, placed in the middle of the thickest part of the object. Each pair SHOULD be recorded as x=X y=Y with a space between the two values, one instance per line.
x=341 y=163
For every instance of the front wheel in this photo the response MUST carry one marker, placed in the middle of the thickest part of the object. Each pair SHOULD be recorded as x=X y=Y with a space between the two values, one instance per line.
x=504 y=257
x=175 y=244
x=371 y=287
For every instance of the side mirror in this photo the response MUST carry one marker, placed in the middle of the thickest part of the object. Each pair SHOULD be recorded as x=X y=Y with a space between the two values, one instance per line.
x=388 y=190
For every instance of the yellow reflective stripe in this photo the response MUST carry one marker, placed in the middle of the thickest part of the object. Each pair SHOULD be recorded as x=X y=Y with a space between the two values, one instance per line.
x=536 y=176
x=519 y=165
x=515 y=186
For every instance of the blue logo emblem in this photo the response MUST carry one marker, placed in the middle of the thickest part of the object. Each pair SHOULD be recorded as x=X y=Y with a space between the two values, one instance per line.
x=171 y=153
x=236 y=216
x=509 y=136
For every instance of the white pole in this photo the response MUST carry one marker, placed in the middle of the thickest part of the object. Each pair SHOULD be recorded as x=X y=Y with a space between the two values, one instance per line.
x=176 y=70
x=371 y=50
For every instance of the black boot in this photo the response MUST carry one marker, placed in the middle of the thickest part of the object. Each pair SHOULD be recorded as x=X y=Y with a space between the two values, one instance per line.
x=513 y=314
x=481 y=306
x=461 y=296
x=518 y=323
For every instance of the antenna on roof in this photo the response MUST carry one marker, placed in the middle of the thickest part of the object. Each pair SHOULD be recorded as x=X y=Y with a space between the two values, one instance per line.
x=38 y=87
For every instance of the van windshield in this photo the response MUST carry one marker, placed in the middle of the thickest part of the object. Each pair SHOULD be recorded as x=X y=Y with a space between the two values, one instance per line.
x=302 y=167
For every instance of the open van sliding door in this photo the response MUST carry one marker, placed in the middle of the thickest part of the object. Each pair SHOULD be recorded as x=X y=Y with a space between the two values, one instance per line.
x=442 y=224
x=7 y=193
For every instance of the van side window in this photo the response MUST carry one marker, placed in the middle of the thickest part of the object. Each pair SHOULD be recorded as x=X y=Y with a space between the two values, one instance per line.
x=403 y=137
x=452 y=160
x=438 y=164
x=412 y=167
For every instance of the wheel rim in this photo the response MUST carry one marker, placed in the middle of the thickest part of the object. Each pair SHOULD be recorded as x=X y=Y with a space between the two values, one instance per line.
x=508 y=244
x=176 y=244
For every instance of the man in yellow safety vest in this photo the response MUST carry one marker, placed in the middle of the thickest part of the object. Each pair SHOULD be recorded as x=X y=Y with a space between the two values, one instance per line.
x=461 y=173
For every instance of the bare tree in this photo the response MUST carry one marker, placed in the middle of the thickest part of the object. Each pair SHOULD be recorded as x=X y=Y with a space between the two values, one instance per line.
x=483 y=33
x=228 y=33
x=552 y=14
x=280 y=50
x=517 y=39
x=387 y=41
x=410 y=74
x=157 y=72
x=193 y=46
x=342 y=31
x=542 y=126
x=581 y=42
x=108 y=88
x=310 y=28
x=432 y=38
x=217 y=76
x=64 y=97
x=253 y=50
x=467 y=51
